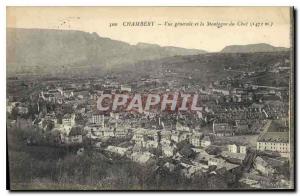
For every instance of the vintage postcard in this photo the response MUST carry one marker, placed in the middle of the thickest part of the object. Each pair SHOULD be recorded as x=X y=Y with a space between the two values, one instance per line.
x=150 y=98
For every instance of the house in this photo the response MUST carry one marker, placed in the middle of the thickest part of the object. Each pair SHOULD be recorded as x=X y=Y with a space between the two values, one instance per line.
x=81 y=94
x=195 y=140
x=191 y=170
x=165 y=142
x=97 y=131
x=92 y=128
x=168 y=151
x=74 y=136
x=184 y=135
x=142 y=157
x=125 y=88
x=229 y=167
x=22 y=109
x=236 y=158
x=138 y=136
x=175 y=136
x=202 y=156
x=55 y=92
x=68 y=92
x=97 y=119
x=233 y=148
x=121 y=132
x=221 y=164
x=241 y=127
x=68 y=119
x=150 y=144
x=206 y=141
x=262 y=166
x=107 y=132
x=169 y=166
x=275 y=137
x=215 y=161
x=180 y=127
x=243 y=149
x=222 y=129
x=80 y=151
x=117 y=150
x=146 y=138
x=23 y=123
x=98 y=145
x=274 y=141
x=63 y=129
x=223 y=91
x=10 y=106
x=166 y=135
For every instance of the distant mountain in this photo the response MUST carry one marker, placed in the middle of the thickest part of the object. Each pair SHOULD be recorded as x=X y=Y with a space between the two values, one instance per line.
x=209 y=67
x=171 y=49
x=50 y=50
x=262 y=47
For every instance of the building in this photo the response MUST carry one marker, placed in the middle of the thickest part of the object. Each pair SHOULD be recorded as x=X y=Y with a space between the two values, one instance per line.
x=166 y=135
x=10 y=106
x=223 y=129
x=125 y=88
x=215 y=161
x=236 y=158
x=138 y=137
x=142 y=157
x=121 y=132
x=243 y=149
x=184 y=135
x=221 y=91
x=117 y=150
x=242 y=127
x=180 y=127
x=175 y=136
x=233 y=148
x=275 y=138
x=150 y=144
x=68 y=119
x=22 y=110
x=74 y=136
x=262 y=165
x=195 y=140
x=97 y=119
x=206 y=141
x=274 y=141
x=168 y=151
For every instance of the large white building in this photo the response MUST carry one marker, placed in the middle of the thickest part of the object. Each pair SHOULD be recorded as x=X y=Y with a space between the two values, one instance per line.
x=274 y=141
x=97 y=119
x=275 y=138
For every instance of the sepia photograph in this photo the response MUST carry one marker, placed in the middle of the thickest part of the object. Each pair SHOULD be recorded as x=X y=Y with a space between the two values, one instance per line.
x=150 y=98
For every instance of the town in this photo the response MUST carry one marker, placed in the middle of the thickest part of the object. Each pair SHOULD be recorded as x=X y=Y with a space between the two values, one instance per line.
x=240 y=128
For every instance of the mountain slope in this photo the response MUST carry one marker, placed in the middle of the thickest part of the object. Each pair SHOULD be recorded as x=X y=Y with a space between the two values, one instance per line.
x=262 y=47
x=54 y=49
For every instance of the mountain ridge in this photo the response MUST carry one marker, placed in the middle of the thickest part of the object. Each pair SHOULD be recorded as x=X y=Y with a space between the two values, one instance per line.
x=52 y=47
x=248 y=48
x=56 y=51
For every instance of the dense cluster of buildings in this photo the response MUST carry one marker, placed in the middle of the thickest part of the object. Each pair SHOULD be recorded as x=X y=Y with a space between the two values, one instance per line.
x=227 y=112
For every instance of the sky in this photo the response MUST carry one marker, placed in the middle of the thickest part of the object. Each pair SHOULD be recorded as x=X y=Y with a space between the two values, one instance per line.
x=209 y=38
